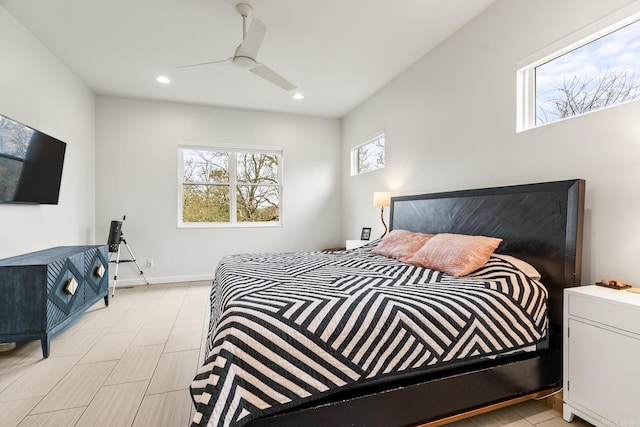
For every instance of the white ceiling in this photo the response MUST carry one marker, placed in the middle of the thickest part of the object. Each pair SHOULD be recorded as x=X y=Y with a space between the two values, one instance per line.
x=338 y=52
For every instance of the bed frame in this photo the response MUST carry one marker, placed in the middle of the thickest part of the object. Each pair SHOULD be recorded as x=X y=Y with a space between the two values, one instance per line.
x=539 y=223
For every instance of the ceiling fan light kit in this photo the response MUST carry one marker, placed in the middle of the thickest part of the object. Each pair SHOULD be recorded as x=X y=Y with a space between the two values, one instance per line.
x=246 y=53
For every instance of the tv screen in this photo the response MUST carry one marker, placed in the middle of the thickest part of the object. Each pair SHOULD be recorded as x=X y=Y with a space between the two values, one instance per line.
x=30 y=164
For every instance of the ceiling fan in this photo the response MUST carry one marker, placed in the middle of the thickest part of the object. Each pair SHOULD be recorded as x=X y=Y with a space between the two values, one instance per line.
x=246 y=53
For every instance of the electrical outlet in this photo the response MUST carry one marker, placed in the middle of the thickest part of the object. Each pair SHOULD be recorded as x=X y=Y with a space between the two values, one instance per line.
x=149 y=262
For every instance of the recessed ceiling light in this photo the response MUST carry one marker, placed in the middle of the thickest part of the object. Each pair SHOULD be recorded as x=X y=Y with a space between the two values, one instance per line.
x=163 y=79
x=298 y=96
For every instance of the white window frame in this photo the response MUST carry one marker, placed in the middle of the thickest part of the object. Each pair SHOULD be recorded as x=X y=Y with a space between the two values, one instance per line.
x=526 y=87
x=355 y=150
x=233 y=151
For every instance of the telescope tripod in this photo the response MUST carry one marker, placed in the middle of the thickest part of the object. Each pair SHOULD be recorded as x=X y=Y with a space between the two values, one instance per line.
x=117 y=261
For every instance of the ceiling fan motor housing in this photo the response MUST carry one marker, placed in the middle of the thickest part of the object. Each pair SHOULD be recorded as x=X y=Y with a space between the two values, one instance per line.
x=244 y=62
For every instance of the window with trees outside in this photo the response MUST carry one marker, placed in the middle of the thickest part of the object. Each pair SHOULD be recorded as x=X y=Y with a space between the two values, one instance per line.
x=229 y=187
x=368 y=156
x=597 y=72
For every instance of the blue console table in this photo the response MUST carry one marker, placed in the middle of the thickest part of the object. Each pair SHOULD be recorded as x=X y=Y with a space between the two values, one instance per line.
x=43 y=292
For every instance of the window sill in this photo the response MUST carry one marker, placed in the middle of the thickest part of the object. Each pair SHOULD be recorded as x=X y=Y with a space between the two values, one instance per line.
x=199 y=225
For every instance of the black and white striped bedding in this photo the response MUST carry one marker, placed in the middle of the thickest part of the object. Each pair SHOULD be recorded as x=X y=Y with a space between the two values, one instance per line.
x=289 y=328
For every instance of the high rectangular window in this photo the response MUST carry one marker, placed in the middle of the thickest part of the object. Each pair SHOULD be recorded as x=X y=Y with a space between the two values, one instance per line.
x=368 y=156
x=596 y=72
x=220 y=186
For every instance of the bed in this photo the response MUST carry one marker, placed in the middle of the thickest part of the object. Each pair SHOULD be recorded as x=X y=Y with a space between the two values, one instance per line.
x=340 y=367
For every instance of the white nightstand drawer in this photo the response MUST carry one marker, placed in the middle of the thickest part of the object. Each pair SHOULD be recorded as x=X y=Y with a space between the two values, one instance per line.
x=608 y=312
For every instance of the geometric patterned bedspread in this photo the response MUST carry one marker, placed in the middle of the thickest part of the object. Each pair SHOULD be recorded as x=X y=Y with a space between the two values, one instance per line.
x=289 y=328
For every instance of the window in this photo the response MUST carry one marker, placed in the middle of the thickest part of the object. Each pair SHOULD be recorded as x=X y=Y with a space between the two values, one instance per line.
x=599 y=71
x=368 y=156
x=220 y=186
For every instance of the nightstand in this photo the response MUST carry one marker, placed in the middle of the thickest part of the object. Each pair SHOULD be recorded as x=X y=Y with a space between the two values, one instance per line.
x=601 y=348
x=352 y=244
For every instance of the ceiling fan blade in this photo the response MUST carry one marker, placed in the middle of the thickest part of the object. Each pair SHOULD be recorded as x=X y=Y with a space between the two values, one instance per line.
x=202 y=64
x=252 y=40
x=270 y=75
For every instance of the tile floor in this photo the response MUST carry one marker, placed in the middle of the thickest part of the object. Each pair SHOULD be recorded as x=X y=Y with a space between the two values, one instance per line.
x=131 y=364
x=525 y=414
x=126 y=365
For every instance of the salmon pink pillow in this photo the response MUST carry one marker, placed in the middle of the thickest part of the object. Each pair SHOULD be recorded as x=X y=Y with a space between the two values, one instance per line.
x=401 y=244
x=455 y=254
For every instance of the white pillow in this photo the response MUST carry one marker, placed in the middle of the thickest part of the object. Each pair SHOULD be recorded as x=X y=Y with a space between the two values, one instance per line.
x=521 y=265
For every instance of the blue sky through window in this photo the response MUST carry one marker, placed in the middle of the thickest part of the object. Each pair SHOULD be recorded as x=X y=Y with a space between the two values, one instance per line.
x=611 y=55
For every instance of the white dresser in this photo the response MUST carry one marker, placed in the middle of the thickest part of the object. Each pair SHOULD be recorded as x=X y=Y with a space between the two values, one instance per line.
x=602 y=356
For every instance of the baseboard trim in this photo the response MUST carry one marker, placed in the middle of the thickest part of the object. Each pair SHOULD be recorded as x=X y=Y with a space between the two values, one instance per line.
x=162 y=279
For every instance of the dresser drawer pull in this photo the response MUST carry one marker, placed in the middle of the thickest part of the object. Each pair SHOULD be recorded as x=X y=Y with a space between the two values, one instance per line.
x=100 y=270
x=71 y=286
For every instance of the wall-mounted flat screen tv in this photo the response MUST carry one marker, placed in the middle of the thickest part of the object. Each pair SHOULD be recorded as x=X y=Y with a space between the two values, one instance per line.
x=30 y=164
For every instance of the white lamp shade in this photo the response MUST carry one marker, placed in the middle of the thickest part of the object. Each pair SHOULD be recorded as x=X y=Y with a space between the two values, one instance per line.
x=381 y=199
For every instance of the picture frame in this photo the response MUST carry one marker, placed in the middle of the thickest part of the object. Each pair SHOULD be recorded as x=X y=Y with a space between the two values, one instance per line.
x=366 y=233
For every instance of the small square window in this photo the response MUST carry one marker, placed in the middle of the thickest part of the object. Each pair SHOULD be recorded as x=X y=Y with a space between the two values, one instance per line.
x=368 y=156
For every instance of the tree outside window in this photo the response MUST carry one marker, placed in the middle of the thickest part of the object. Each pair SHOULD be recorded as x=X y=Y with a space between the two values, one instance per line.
x=368 y=156
x=257 y=194
x=599 y=74
x=230 y=187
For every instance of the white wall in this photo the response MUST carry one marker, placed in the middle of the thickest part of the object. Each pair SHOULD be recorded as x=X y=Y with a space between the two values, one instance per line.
x=38 y=90
x=136 y=151
x=450 y=124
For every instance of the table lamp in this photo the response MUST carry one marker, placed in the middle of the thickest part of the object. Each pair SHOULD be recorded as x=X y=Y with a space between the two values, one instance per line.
x=382 y=199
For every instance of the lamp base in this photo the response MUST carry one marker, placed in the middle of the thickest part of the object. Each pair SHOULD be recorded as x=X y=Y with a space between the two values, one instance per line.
x=383 y=224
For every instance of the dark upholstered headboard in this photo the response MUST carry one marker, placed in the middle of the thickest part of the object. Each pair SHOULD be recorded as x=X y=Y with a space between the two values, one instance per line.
x=539 y=223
